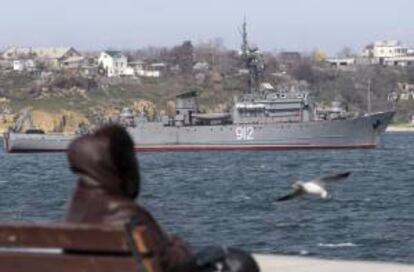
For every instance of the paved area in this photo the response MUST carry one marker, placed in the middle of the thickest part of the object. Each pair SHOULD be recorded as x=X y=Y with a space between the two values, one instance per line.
x=278 y=263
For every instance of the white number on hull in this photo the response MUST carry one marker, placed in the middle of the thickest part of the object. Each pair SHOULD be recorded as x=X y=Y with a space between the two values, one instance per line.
x=244 y=133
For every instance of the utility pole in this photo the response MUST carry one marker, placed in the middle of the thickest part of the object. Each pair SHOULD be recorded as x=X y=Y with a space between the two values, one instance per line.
x=369 y=96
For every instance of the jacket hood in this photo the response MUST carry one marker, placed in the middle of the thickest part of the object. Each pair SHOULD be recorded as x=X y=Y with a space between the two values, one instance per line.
x=106 y=160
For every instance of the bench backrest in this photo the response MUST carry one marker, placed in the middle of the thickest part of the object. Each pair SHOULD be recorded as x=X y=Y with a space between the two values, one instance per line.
x=75 y=247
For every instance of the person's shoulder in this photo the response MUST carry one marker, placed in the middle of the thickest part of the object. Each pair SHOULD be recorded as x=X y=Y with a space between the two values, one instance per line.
x=120 y=211
x=123 y=210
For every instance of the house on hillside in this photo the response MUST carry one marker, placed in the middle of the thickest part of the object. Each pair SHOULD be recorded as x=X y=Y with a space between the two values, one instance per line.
x=90 y=67
x=144 y=69
x=23 y=65
x=53 y=57
x=201 y=66
x=405 y=90
x=340 y=62
x=390 y=52
x=73 y=62
x=400 y=61
x=115 y=64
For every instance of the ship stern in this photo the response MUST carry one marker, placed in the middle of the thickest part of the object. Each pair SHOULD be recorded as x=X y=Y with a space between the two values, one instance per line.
x=6 y=141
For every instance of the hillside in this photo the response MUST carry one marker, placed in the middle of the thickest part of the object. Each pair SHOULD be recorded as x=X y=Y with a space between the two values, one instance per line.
x=61 y=100
x=74 y=99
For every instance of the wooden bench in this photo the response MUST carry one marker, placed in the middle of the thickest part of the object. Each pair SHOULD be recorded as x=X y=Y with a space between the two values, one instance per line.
x=64 y=247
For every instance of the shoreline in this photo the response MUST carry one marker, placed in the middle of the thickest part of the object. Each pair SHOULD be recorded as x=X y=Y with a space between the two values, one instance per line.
x=285 y=263
x=405 y=128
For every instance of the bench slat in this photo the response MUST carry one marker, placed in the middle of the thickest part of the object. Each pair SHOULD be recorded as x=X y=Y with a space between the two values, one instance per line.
x=18 y=262
x=68 y=236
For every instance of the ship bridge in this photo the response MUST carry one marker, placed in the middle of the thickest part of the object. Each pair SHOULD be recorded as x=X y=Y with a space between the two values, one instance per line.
x=274 y=107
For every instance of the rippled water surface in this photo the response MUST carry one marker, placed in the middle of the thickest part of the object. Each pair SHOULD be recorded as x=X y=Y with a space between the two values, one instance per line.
x=229 y=198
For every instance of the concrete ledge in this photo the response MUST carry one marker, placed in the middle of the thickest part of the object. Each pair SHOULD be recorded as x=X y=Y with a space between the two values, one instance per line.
x=279 y=263
x=400 y=128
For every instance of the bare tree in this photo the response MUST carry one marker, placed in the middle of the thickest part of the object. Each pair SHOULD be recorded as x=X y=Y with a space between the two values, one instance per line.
x=183 y=56
x=346 y=52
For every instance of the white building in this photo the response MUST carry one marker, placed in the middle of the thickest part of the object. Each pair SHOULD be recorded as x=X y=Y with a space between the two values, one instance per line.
x=143 y=69
x=148 y=73
x=24 y=65
x=201 y=66
x=115 y=64
x=340 y=62
x=385 y=49
x=399 y=61
x=389 y=52
x=405 y=90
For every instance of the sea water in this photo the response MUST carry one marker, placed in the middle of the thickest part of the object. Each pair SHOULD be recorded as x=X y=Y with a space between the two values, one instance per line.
x=228 y=198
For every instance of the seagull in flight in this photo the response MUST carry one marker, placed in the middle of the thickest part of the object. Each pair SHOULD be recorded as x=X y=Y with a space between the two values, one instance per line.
x=314 y=187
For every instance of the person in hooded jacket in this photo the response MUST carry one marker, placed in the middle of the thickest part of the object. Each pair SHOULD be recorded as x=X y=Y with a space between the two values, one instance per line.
x=108 y=184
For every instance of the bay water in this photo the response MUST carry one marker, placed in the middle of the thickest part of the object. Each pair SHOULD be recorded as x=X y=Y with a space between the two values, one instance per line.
x=228 y=198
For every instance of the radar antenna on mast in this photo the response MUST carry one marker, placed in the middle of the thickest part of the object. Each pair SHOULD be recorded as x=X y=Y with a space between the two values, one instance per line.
x=253 y=61
x=245 y=44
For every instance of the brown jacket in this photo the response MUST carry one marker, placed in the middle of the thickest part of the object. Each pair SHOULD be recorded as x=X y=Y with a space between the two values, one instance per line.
x=108 y=183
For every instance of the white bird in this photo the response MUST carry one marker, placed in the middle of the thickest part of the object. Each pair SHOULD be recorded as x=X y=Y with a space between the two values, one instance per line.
x=314 y=187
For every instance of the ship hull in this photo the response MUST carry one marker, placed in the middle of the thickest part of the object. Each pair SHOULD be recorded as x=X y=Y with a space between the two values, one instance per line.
x=198 y=148
x=20 y=142
x=360 y=132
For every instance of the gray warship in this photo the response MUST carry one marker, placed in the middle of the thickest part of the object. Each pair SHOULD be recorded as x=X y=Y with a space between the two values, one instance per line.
x=260 y=119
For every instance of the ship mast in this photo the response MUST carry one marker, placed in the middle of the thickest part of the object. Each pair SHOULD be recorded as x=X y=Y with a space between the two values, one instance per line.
x=253 y=61
x=245 y=44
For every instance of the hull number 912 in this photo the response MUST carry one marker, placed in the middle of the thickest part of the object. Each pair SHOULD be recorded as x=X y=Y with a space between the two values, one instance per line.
x=244 y=133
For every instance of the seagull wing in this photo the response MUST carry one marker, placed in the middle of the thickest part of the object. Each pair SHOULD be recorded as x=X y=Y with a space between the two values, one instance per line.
x=293 y=194
x=327 y=179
